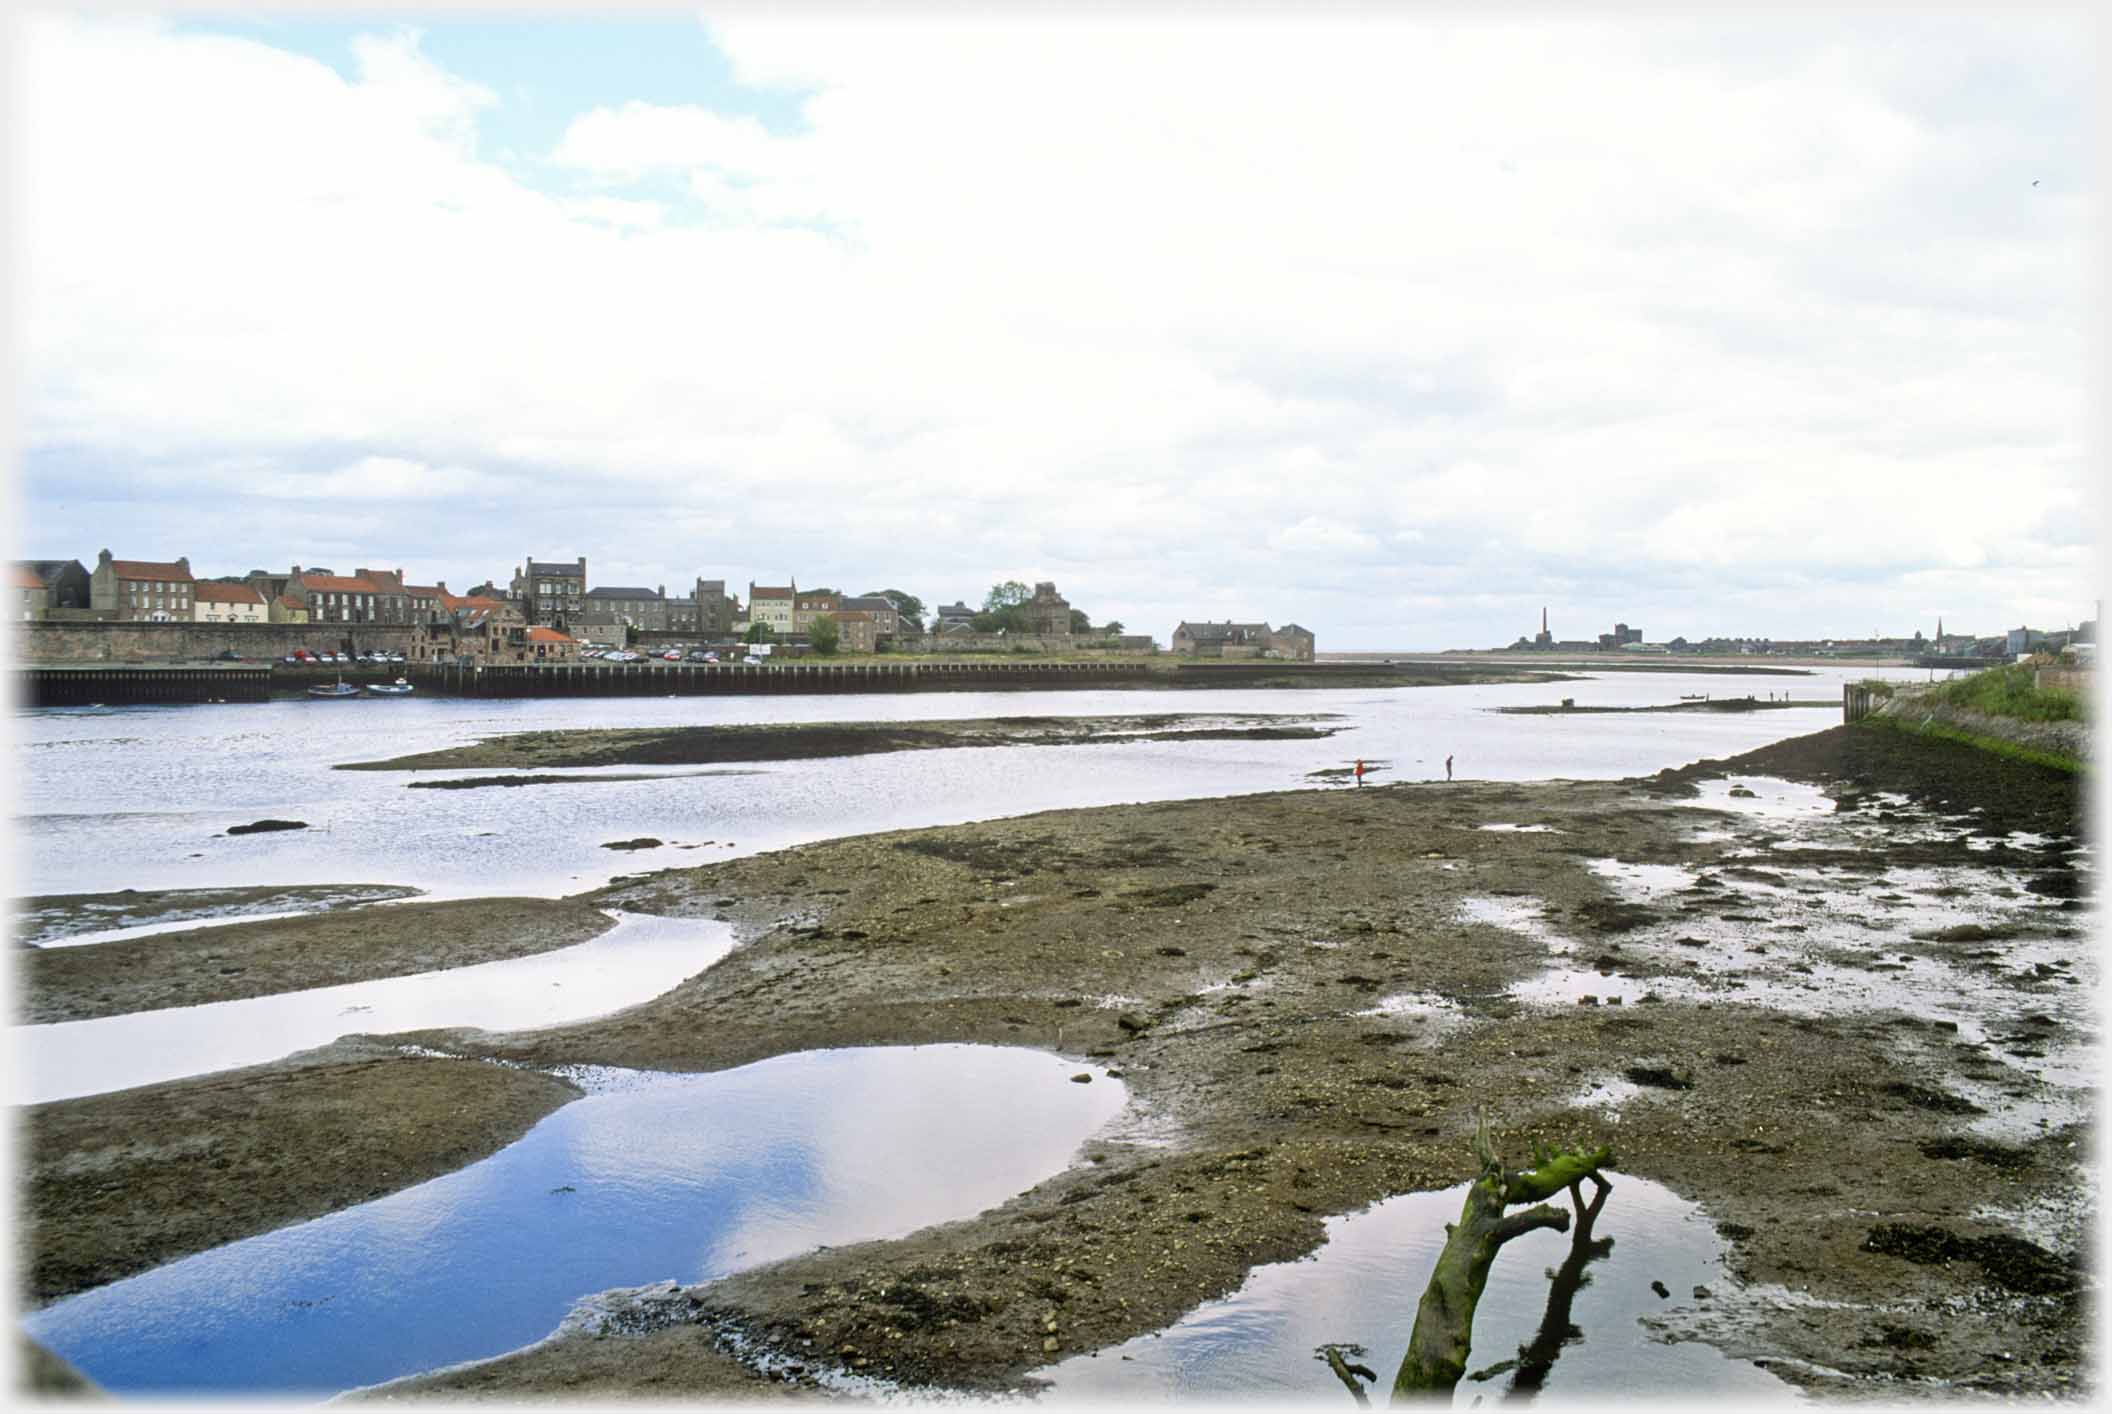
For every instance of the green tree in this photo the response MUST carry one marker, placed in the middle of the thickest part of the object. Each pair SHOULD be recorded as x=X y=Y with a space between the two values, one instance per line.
x=1006 y=596
x=824 y=635
x=1079 y=622
x=1114 y=626
x=908 y=607
x=758 y=632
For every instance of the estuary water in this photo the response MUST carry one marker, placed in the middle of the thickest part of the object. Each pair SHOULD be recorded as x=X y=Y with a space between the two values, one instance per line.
x=650 y=1178
x=142 y=797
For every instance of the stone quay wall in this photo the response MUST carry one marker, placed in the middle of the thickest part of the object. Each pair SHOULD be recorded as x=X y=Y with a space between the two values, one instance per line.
x=41 y=642
x=1912 y=710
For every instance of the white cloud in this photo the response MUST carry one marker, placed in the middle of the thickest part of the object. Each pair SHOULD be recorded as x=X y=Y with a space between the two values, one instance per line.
x=1557 y=303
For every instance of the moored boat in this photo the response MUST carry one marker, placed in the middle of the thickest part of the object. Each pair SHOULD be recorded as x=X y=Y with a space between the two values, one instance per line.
x=340 y=688
x=399 y=688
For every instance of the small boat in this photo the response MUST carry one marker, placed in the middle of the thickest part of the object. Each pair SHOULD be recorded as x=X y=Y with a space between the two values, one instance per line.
x=340 y=688
x=399 y=688
x=1694 y=697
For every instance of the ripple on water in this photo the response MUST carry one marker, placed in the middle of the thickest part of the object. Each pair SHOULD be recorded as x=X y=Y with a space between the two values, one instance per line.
x=656 y=1177
x=1362 y=1288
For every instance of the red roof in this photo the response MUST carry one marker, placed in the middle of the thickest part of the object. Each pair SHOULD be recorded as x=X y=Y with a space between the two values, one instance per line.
x=287 y=601
x=427 y=591
x=150 y=569
x=339 y=584
x=469 y=601
x=764 y=591
x=210 y=592
x=547 y=635
x=26 y=578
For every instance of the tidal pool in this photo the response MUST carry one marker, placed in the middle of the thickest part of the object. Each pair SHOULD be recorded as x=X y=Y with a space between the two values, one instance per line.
x=650 y=1177
x=637 y=960
x=1574 y=1341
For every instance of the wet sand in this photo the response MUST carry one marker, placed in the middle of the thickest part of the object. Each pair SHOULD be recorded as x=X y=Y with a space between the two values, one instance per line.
x=1232 y=957
x=49 y=918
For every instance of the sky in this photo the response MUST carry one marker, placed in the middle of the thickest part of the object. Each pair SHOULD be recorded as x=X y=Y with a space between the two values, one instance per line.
x=1400 y=324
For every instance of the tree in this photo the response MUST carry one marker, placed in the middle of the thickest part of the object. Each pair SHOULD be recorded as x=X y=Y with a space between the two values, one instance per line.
x=908 y=607
x=1011 y=618
x=824 y=635
x=1079 y=622
x=758 y=632
x=1005 y=596
x=1114 y=626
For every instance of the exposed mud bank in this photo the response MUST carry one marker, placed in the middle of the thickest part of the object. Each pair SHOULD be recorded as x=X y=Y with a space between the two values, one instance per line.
x=52 y=917
x=704 y=746
x=258 y=959
x=1308 y=993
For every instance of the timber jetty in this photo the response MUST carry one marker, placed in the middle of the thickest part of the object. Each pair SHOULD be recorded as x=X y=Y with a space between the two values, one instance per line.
x=93 y=687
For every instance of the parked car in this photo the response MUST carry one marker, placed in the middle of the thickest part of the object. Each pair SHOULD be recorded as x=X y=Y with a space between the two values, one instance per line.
x=293 y=657
x=671 y=656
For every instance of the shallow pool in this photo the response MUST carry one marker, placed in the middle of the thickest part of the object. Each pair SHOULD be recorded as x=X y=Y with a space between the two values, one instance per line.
x=650 y=1177
x=1572 y=1340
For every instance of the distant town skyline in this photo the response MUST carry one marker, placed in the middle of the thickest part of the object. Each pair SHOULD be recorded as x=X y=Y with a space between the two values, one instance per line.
x=1399 y=326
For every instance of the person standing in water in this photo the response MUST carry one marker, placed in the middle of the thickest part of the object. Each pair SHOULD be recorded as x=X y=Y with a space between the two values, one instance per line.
x=1448 y=768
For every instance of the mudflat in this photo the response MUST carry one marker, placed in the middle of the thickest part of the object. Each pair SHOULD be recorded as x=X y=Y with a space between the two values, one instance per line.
x=720 y=745
x=233 y=960
x=1310 y=996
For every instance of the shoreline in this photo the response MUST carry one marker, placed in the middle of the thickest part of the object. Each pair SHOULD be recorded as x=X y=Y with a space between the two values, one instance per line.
x=1251 y=937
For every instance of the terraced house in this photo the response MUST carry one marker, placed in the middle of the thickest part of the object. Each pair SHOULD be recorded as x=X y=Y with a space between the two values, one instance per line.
x=157 y=591
x=222 y=603
x=335 y=598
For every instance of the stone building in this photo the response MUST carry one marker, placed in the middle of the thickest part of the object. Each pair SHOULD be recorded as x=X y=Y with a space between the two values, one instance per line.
x=65 y=582
x=285 y=609
x=643 y=609
x=716 y=611
x=1221 y=640
x=887 y=621
x=155 y=590
x=336 y=598
x=392 y=602
x=1048 y=613
x=808 y=607
x=550 y=591
x=222 y=603
x=951 y=614
x=1292 y=642
x=856 y=631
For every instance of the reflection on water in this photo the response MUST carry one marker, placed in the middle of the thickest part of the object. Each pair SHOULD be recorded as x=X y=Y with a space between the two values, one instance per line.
x=1362 y=1288
x=649 y=1178
x=637 y=960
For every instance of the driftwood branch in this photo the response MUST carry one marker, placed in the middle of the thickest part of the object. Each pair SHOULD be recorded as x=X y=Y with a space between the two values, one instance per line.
x=1349 y=1374
x=1444 y=1321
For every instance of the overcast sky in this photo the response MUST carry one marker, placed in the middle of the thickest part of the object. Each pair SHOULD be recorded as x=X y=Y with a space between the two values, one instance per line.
x=1399 y=326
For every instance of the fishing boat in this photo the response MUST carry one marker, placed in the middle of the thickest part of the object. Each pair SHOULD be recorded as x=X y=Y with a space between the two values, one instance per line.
x=340 y=688
x=399 y=688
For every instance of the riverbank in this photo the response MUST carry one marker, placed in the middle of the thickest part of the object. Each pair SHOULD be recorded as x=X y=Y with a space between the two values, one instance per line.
x=1308 y=994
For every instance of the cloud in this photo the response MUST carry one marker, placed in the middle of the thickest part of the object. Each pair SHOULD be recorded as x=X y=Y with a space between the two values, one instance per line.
x=1208 y=316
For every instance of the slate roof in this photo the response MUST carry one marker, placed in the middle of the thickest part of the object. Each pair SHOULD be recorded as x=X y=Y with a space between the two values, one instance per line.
x=558 y=567
x=617 y=591
x=1226 y=632
x=49 y=570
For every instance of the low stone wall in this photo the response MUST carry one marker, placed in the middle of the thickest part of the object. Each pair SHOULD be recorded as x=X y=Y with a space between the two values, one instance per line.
x=1912 y=710
x=40 y=642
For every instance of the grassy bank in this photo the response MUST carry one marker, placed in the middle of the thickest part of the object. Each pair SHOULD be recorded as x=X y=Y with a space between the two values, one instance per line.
x=2009 y=692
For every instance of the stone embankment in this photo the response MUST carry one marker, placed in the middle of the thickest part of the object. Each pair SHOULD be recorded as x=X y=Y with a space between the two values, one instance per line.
x=1914 y=711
